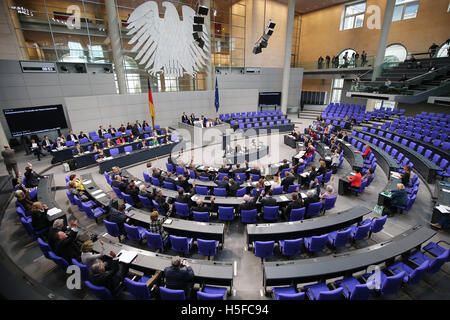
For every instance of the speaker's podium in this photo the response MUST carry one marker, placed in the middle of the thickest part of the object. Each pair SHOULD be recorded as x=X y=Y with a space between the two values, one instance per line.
x=200 y=136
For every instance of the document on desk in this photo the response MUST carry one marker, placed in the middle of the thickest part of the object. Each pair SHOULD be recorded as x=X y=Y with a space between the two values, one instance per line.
x=53 y=211
x=96 y=192
x=396 y=175
x=443 y=209
x=300 y=154
x=303 y=195
x=100 y=196
x=87 y=182
x=304 y=174
x=284 y=198
x=126 y=256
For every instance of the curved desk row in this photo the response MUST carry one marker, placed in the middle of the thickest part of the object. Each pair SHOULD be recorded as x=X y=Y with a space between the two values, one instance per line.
x=251 y=155
x=66 y=153
x=443 y=153
x=305 y=228
x=177 y=227
x=205 y=271
x=225 y=201
x=124 y=159
x=355 y=159
x=290 y=141
x=344 y=264
x=45 y=196
x=423 y=165
x=384 y=160
x=267 y=129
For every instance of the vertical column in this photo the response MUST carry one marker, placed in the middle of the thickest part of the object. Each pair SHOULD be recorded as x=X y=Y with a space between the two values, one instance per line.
x=384 y=35
x=210 y=66
x=114 y=36
x=3 y=139
x=287 y=56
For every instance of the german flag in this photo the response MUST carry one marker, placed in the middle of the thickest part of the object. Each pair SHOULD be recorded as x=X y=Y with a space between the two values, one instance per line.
x=150 y=103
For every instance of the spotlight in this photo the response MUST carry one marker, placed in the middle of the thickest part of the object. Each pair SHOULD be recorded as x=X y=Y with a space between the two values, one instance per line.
x=196 y=35
x=200 y=43
x=271 y=24
x=269 y=32
x=265 y=37
x=257 y=49
x=198 y=28
x=199 y=20
x=263 y=44
x=202 y=10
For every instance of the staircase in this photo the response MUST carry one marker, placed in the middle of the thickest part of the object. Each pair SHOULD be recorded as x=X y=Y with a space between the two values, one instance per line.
x=310 y=113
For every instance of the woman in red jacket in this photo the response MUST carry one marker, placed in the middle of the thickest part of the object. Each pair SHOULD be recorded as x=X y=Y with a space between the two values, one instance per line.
x=356 y=179
x=366 y=152
x=121 y=140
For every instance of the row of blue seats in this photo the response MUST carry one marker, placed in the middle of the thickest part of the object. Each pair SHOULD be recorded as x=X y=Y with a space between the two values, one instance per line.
x=334 y=239
x=250 y=114
x=410 y=270
x=232 y=122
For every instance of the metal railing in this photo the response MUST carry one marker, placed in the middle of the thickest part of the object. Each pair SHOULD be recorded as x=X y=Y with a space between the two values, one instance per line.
x=349 y=65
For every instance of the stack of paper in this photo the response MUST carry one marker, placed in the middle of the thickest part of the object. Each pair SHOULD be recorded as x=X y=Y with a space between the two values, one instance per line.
x=100 y=196
x=87 y=182
x=53 y=211
x=284 y=198
x=126 y=256
x=96 y=192
x=443 y=209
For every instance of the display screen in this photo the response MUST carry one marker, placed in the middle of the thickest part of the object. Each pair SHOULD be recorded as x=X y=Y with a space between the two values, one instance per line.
x=23 y=121
x=269 y=98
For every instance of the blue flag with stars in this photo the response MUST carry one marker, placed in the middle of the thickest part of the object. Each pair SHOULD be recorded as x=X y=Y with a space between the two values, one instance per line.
x=216 y=102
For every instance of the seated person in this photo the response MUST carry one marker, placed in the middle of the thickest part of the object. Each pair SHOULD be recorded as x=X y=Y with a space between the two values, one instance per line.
x=169 y=178
x=179 y=276
x=398 y=197
x=335 y=159
x=157 y=175
x=39 y=219
x=306 y=180
x=24 y=199
x=72 y=137
x=355 y=179
x=76 y=192
x=102 y=132
x=154 y=142
x=122 y=128
x=234 y=186
x=117 y=215
x=95 y=147
x=111 y=130
x=183 y=183
x=143 y=192
x=199 y=206
x=101 y=156
x=329 y=193
x=287 y=181
x=88 y=257
x=119 y=183
x=133 y=191
x=183 y=198
x=163 y=203
x=249 y=202
x=36 y=149
x=82 y=135
x=120 y=140
x=156 y=225
x=406 y=176
x=58 y=144
x=311 y=197
x=369 y=174
x=47 y=144
x=32 y=177
x=78 y=149
x=111 y=277
x=296 y=203
x=223 y=184
x=206 y=173
x=108 y=143
x=78 y=182
x=66 y=245
x=322 y=168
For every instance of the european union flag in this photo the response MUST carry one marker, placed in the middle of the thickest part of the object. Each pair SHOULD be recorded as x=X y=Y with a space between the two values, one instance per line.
x=216 y=102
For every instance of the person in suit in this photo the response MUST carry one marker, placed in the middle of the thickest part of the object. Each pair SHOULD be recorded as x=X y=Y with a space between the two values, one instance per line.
x=119 y=183
x=47 y=144
x=9 y=158
x=111 y=130
x=169 y=178
x=223 y=184
x=117 y=215
x=145 y=124
x=58 y=144
x=311 y=197
x=296 y=203
x=287 y=181
x=129 y=126
x=234 y=186
x=32 y=177
x=249 y=202
x=285 y=165
x=135 y=130
x=199 y=206
x=239 y=169
x=78 y=149
x=88 y=257
x=322 y=168
x=66 y=244
x=255 y=171
x=101 y=132
x=179 y=276
x=138 y=124
x=143 y=192
x=109 y=277
x=39 y=219
x=224 y=168
x=206 y=173
x=183 y=198
x=268 y=200
x=183 y=183
x=184 y=118
x=309 y=178
x=163 y=203
x=72 y=137
x=36 y=149
x=52 y=238
x=82 y=135
x=122 y=128
x=133 y=192
x=108 y=143
x=157 y=174
x=76 y=192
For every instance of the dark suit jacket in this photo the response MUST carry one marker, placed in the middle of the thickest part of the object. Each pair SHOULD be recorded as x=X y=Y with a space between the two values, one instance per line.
x=294 y=205
x=184 y=184
x=39 y=220
x=119 y=184
x=32 y=179
x=116 y=216
x=109 y=279
x=47 y=144
x=68 y=248
x=267 y=201
x=76 y=151
x=178 y=278
x=313 y=199
x=286 y=182
x=72 y=137
x=234 y=187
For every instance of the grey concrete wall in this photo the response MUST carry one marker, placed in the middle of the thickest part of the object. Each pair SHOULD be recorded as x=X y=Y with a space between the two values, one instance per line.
x=169 y=106
x=270 y=79
x=345 y=99
x=20 y=90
